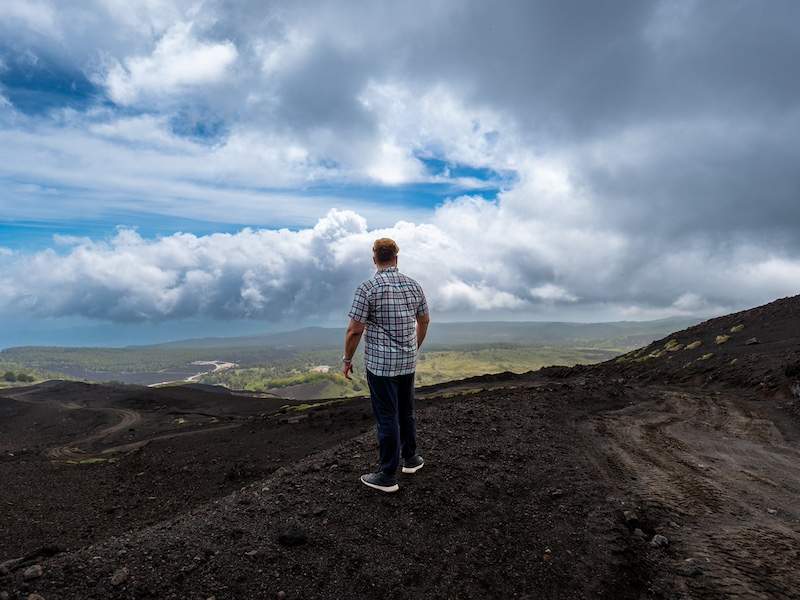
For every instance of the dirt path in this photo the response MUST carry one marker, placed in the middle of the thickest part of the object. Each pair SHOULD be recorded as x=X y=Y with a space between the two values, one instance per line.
x=723 y=472
x=128 y=418
x=75 y=449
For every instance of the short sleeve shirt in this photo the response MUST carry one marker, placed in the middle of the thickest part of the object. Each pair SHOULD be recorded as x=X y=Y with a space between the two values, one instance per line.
x=389 y=304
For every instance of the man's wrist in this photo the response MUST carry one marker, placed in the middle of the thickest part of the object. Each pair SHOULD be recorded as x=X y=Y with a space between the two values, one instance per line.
x=346 y=360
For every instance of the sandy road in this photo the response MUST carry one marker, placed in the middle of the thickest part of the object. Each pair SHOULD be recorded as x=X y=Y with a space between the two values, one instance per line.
x=127 y=419
x=720 y=469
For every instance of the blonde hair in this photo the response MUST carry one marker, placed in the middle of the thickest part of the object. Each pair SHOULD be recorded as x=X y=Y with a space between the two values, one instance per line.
x=385 y=249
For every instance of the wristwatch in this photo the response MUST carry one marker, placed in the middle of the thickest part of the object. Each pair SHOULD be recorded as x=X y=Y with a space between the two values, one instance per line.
x=346 y=360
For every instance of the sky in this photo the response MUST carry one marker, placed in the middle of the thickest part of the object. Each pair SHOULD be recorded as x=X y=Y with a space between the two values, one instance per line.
x=180 y=168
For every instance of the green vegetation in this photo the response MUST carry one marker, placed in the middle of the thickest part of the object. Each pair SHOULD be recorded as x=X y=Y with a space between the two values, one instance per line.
x=12 y=373
x=737 y=328
x=304 y=364
x=693 y=345
x=296 y=379
x=721 y=339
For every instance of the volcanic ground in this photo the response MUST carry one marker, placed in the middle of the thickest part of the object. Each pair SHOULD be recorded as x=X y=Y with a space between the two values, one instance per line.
x=670 y=472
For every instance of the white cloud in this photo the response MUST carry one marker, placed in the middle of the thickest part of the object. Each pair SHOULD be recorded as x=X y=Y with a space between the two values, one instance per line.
x=178 y=61
x=550 y=292
x=6 y=251
x=35 y=15
x=310 y=273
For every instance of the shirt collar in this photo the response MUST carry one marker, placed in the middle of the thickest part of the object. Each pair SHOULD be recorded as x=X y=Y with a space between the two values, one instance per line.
x=387 y=269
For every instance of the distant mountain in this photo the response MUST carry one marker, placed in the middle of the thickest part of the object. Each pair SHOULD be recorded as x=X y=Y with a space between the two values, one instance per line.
x=622 y=334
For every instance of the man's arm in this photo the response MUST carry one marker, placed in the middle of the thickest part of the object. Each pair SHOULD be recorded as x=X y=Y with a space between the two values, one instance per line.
x=422 y=328
x=351 y=339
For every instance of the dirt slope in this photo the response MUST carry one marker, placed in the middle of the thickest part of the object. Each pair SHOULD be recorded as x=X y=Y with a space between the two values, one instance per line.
x=671 y=472
x=754 y=349
x=509 y=504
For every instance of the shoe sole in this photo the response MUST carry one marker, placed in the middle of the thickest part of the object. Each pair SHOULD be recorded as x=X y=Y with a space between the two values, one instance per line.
x=383 y=488
x=413 y=469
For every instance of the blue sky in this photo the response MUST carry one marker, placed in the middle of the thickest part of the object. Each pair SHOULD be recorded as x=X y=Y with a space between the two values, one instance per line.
x=37 y=88
x=168 y=166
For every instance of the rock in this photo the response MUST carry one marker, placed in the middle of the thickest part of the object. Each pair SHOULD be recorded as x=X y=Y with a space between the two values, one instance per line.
x=33 y=572
x=752 y=341
x=772 y=511
x=690 y=568
x=251 y=553
x=631 y=518
x=9 y=565
x=639 y=533
x=659 y=541
x=292 y=536
x=119 y=577
x=4 y=596
x=35 y=597
x=280 y=595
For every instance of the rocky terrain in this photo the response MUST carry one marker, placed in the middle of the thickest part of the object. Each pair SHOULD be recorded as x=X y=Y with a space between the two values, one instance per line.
x=670 y=472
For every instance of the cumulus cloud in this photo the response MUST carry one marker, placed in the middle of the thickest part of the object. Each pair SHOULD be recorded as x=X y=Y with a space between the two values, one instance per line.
x=178 y=61
x=311 y=273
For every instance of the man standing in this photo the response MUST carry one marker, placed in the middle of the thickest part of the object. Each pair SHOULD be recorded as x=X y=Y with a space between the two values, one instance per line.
x=393 y=310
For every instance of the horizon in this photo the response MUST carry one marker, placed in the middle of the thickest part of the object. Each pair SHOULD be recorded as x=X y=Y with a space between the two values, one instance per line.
x=265 y=333
x=175 y=167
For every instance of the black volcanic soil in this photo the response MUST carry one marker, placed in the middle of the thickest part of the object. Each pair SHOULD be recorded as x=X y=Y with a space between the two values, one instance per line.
x=665 y=473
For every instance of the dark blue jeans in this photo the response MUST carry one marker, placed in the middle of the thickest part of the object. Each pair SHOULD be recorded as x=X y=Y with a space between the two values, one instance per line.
x=393 y=407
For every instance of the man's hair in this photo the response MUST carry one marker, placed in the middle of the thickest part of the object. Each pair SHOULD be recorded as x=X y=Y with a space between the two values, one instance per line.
x=385 y=249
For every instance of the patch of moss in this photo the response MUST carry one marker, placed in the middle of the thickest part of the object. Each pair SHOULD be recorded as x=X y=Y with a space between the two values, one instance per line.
x=672 y=345
x=721 y=339
x=693 y=345
x=656 y=354
x=737 y=328
x=706 y=356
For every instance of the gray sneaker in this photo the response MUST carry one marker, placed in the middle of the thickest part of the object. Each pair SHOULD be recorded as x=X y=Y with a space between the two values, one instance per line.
x=412 y=464
x=380 y=481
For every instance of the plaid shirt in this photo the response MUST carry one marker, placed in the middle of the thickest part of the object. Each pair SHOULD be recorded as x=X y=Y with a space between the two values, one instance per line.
x=389 y=304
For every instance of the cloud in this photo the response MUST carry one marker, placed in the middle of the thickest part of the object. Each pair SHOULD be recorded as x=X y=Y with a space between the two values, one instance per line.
x=308 y=274
x=178 y=62
x=37 y=16
x=650 y=149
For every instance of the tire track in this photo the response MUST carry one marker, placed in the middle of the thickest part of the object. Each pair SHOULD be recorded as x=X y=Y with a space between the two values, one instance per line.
x=727 y=473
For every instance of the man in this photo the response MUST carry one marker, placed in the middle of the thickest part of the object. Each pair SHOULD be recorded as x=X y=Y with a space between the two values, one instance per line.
x=392 y=309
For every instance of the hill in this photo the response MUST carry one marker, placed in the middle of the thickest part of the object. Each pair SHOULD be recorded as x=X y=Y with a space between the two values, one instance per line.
x=619 y=334
x=658 y=474
x=267 y=362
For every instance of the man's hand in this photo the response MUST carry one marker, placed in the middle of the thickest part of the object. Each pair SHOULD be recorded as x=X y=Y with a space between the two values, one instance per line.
x=347 y=368
x=422 y=328
x=351 y=339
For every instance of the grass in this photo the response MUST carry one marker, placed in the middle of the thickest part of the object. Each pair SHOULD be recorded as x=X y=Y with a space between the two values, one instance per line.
x=434 y=366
